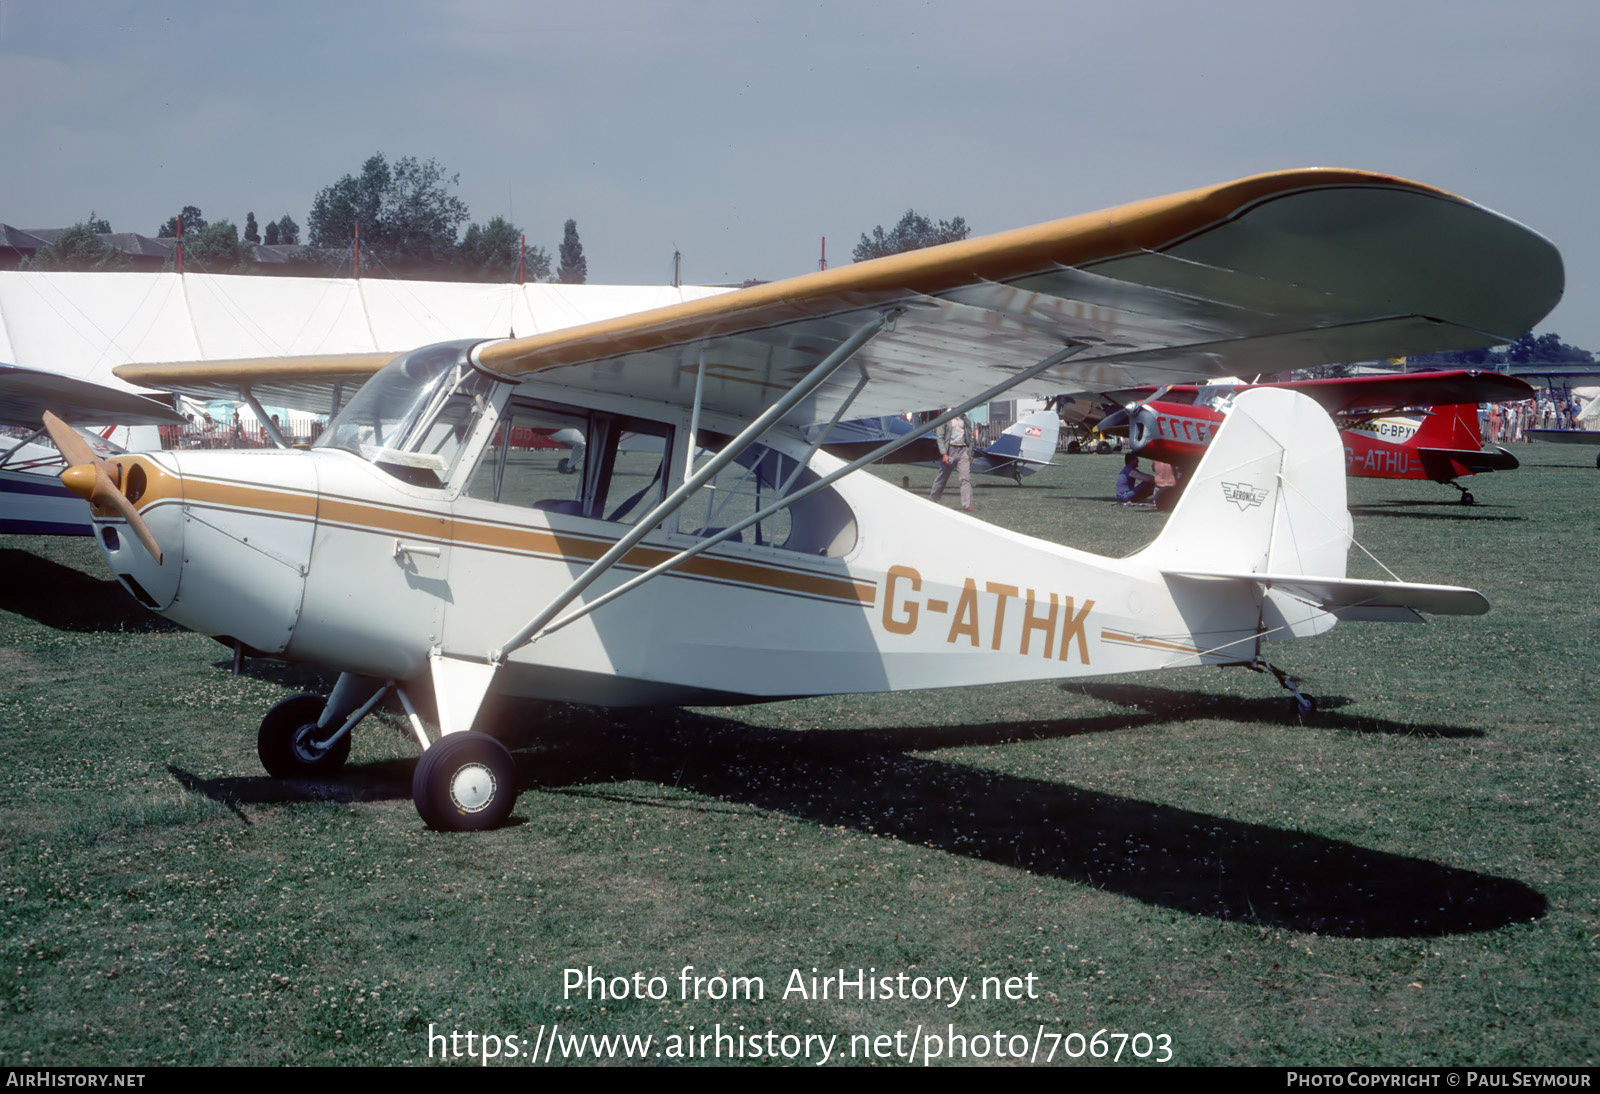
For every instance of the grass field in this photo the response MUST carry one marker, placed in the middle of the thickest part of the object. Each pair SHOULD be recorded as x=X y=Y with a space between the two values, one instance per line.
x=1408 y=878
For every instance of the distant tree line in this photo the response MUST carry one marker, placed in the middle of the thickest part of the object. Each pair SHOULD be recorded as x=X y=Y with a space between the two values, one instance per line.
x=1530 y=349
x=410 y=225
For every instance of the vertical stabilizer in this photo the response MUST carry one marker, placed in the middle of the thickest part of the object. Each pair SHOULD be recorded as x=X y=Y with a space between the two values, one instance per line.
x=1031 y=440
x=1268 y=498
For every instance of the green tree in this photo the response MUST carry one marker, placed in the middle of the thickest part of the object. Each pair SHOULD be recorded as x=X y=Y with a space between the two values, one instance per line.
x=574 y=269
x=913 y=232
x=272 y=233
x=489 y=252
x=98 y=224
x=192 y=222
x=216 y=248
x=288 y=231
x=407 y=215
x=251 y=232
x=79 y=248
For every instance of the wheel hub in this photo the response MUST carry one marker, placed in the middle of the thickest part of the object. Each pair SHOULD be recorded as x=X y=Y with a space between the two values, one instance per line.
x=306 y=749
x=472 y=787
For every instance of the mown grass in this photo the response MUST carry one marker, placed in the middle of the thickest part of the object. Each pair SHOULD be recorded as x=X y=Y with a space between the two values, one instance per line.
x=1407 y=878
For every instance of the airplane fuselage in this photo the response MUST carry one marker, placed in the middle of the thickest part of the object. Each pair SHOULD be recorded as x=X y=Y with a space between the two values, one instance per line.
x=327 y=557
x=1378 y=448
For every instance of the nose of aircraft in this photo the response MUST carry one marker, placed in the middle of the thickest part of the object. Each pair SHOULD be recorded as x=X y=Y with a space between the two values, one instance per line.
x=1142 y=428
x=100 y=482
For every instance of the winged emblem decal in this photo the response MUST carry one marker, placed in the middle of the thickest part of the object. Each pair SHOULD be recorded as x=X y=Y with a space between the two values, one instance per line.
x=1243 y=494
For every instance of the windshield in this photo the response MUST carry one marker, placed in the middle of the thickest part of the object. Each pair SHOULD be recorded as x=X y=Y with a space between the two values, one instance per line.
x=414 y=415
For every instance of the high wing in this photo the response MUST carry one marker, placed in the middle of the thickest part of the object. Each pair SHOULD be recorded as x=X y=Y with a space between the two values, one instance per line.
x=26 y=393
x=1275 y=271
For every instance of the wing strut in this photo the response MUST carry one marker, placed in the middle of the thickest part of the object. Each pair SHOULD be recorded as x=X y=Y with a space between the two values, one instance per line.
x=14 y=449
x=261 y=416
x=805 y=491
x=669 y=505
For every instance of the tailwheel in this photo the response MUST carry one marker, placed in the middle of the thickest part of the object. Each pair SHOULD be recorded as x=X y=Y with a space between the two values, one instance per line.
x=1301 y=705
x=465 y=782
x=1466 y=497
x=290 y=744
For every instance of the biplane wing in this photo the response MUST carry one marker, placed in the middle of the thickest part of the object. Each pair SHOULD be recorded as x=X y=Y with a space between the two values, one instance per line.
x=1275 y=271
x=1371 y=396
x=26 y=393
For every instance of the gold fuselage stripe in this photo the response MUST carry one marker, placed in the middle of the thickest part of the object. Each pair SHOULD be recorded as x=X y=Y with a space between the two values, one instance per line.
x=568 y=547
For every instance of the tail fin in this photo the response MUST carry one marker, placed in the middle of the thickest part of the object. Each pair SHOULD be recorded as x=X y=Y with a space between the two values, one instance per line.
x=1266 y=508
x=1454 y=427
x=1268 y=497
x=1030 y=440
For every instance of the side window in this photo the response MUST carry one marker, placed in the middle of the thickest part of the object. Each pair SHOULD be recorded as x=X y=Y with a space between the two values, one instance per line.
x=536 y=459
x=635 y=470
x=820 y=524
x=563 y=460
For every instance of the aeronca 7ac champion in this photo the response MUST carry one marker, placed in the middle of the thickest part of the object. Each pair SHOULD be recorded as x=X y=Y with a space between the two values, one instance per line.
x=630 y=511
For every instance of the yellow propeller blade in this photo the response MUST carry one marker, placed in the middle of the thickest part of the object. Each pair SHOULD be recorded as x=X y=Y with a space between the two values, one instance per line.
x=97 y=481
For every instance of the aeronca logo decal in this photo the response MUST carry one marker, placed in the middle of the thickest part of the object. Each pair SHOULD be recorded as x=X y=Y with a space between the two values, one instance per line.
x=1243 y=494
x=1034 y=431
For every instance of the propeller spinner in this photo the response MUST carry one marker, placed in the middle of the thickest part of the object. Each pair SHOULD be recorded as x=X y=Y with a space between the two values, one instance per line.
x=97 y=481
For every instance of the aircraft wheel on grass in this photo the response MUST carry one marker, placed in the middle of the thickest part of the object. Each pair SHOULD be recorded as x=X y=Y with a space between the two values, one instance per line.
x=465 y=782
x=287 y=740
x=1466 y=497
x=1302 y=706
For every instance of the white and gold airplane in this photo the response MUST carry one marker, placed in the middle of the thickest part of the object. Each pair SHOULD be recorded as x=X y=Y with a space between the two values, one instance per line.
x=683 y=541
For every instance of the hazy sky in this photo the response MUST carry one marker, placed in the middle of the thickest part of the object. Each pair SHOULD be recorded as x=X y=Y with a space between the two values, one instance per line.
x=742 y=133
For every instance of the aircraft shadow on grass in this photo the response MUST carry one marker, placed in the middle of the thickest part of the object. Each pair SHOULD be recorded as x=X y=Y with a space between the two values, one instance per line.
x=871 y=781
x=68 y=599
x=1448 y=510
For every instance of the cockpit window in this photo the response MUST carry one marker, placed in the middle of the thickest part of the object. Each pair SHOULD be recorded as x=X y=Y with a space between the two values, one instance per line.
x=575 y=462
x=414 y=417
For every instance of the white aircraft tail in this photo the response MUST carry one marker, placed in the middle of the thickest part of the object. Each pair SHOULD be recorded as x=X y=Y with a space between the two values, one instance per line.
x=1030 y=440
x=1266 y=508
x=1268 y=497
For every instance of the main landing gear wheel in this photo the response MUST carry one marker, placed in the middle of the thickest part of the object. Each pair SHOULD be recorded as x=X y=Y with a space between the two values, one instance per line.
x=288 y=740
x=1466 y=497
x=1302 y=706
x=465 y=782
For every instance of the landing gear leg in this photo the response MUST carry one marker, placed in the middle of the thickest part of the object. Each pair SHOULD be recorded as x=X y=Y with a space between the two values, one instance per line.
x=465 y=781
x=303 y=735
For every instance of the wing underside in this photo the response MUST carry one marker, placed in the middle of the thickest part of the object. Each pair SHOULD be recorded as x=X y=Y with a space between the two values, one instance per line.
x=1272 y=272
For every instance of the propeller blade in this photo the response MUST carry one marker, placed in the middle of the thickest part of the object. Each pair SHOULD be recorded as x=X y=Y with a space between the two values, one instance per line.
x=114 y=497
x=97 y=481
x=74 y=449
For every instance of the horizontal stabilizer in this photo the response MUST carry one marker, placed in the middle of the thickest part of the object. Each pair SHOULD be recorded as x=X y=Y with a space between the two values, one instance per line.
x=1437 y=461
x=1350 y=598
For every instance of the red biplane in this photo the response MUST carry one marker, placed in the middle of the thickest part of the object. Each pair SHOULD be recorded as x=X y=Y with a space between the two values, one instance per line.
x=1421 y=425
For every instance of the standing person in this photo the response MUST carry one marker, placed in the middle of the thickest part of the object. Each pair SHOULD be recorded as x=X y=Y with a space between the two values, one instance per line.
x=955 y=452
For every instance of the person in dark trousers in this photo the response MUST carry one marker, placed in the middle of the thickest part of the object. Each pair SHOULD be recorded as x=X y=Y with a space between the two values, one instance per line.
x=955 y=451
x=1133 y=485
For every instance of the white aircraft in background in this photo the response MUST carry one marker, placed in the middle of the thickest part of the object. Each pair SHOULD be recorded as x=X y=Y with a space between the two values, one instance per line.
x=707 y=552
x=1021 y=449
